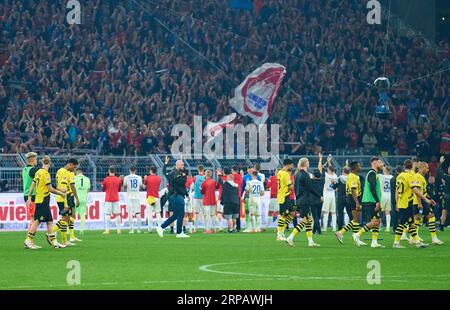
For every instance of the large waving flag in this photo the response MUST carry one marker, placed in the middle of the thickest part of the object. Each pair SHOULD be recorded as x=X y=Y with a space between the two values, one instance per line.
x=254 y=97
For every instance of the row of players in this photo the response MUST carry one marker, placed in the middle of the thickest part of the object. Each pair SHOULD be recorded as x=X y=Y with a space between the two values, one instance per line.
x=72 y=196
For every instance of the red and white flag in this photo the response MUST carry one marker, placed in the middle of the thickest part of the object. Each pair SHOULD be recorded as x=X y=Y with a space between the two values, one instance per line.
x=212 y=129
x=255 y=96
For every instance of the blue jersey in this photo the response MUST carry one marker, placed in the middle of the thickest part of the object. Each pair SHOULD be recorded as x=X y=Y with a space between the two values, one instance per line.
x=247 y=178
x=198 y=182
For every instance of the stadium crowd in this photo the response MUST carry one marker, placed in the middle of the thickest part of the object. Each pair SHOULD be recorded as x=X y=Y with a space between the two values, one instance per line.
x=118 y=82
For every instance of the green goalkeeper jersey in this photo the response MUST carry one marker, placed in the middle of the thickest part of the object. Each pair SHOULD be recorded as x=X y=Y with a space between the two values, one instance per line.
x=82 y=185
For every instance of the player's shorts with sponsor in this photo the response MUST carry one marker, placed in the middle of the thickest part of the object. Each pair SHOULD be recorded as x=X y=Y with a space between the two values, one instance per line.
x=209 y=210
x=43 y=212
x=274 y=206
x=351 y=202
x=288 y=206
x=386 y=202
x=32 y=207
x=63 y=208
x=369 y=213
x=329 y=202
x=133 y=205
x=254 y=206
x=231 y=211
x=405 y=215
x=112 y=207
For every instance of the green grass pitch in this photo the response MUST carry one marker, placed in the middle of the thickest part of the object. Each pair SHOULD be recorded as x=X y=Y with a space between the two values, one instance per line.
x=221 y=261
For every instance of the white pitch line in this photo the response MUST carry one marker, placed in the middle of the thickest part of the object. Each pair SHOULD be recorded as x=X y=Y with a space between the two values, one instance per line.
x=207 y=268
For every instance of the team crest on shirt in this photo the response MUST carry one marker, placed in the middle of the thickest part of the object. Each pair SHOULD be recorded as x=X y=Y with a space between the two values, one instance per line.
x=41 y=218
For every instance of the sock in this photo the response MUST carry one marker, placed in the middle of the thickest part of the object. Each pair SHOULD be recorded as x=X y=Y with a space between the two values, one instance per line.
x=283 y=222
x=248 y=221
x=418 y=223
x=258 y=222
x=309 y=231
x=413 y=232
x=325 y=221
x=268 y=220
x=333 y=221
x=62 y=225
x=107 y=220
x=195 y=222
x=130 y=221
x=432 y=227
x=399 y=232
x=388 y=221
x=52 y=238
x=117 y=221
x=355 y=226
x=158 y=219
x=30 y=236
x=253 y=222
x=57 y=226
x=347 y=227
x=363 y=230
x=138 y=220
x=298 y=228
x=375 y=232
x=71 y=228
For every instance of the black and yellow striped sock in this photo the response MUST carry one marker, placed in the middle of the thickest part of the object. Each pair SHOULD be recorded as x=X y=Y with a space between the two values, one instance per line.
x=413 y=232
x=30 y=236
x=418 y=222
x=347 y=227
x=355 y=226
x=298 y=228
x=363 y=230
x=399 y=232
x=432 y=227
x=281 y=224
x=308 y=229
x=375 y=233
x=71 y=228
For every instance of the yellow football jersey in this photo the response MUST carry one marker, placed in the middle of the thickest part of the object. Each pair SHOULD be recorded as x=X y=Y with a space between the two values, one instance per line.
x=284 y=181
x=415 y=181
x=42 y=178
x=71 y=180
x=422 y=184
x=62 y=182
x=405 y=182
x=353 y=181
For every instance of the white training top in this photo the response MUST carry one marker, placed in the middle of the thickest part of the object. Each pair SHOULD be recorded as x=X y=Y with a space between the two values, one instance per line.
x=385 y=183
x=330 y=179
x=134 y=184
x=254 y=187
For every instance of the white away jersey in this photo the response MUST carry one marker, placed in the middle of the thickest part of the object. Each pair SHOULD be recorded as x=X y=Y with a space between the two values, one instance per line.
x=330 y=179
x=134 y=184
x=254 y=187
x=385 y=181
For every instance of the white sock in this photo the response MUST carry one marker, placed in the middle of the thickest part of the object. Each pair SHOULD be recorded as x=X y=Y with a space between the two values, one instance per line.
x=252 y=222
x=258 y=222
x=107 y=220
x=325 y=221
x=310 y=240
x=388 y=221
x=333 y=221
x=130 y=221
x=138 y=220
x=195 y=221
x=117 y=221
x=158 y=218
x=268 y=220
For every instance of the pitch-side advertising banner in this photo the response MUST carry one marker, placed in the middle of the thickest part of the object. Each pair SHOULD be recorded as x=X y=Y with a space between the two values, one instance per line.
x=13 y=212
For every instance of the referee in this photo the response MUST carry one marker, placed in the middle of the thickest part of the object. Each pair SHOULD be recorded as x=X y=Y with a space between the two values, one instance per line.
x=177 y=193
